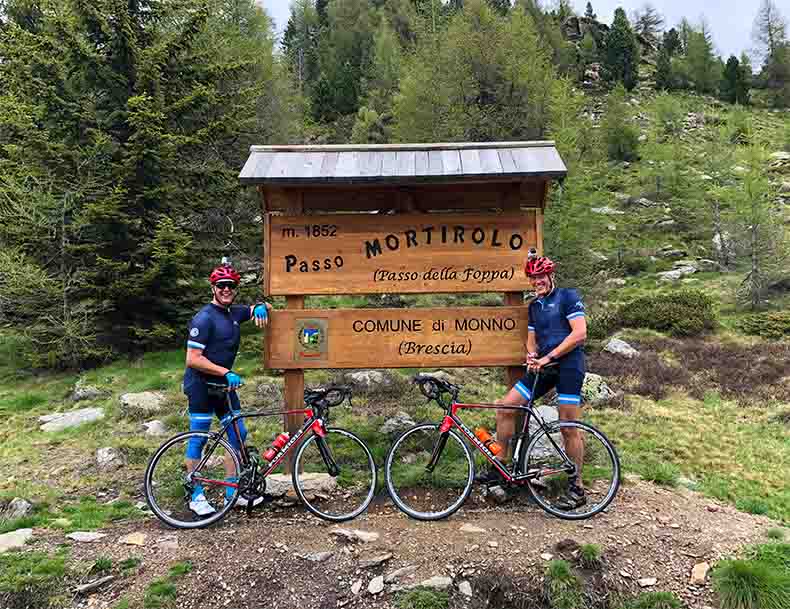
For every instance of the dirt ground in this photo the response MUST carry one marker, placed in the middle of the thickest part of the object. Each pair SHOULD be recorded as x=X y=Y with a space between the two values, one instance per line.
x=265 y=560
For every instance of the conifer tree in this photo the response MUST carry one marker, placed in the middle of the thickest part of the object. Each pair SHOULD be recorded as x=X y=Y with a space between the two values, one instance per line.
x=621 y=60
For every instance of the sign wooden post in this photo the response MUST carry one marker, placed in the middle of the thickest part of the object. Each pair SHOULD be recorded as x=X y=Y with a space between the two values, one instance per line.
x=389 y=219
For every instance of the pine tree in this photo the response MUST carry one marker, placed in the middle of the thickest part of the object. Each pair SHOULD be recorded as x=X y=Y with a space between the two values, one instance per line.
x=588 y=12
x=648 y=23
x=701 y=62
x=136 y=125
x=671 y=42
x=621 y=59
x=664 y=79
x=734 y=87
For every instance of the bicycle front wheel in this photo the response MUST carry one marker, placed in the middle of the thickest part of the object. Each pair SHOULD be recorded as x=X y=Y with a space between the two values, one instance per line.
x=571 y=453
x=421 y=491
x=169 y=490
x=334 y=475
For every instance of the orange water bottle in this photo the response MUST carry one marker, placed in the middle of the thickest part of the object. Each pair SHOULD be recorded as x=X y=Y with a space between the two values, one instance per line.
x=488 y=440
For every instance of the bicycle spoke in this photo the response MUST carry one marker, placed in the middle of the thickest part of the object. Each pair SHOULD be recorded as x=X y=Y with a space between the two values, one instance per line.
x=424 y=493
x=335 y=475
x=556 y=457
x=173 y=498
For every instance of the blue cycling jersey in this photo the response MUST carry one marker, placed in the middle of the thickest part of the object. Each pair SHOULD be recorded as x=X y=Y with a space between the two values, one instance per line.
x=549 y=319
x=216 y=331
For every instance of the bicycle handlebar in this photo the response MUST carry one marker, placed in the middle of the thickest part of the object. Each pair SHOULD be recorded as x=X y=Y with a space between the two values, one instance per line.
x=334 y=395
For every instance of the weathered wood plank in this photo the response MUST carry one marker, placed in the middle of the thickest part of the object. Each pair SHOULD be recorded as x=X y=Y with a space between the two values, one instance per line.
x=346 y=165
x=406 y=162
x=489 y=161
x=470 y=162
x=451 y=161
x=329 y=164
x=506 y=160
x=389 y=163
x=370 y=163
x=435 y=163
x=399 y=338
x=421 y=167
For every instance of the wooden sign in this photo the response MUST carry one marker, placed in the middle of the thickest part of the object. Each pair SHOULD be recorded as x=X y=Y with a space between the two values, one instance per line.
x=409 y=253
x=396 y=338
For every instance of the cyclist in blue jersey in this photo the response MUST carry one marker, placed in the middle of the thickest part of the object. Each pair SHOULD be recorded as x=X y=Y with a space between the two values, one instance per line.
x=557 y=330
x=212 y=345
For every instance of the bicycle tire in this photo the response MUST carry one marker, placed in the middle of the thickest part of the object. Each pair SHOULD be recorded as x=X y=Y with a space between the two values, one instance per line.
x=540 y=450
x=318 y=500
x=161 y=511
x=396 y=493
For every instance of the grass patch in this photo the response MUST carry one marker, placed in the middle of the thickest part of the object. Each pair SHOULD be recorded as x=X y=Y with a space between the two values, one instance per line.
x=590 y=556
x=23 y=402
x=660 y=472
x=162 y=592
x=563 y=588
x=752 y=505
x=423 y=598
x=101 y=565
x=751 y=584
x=775 y=533
x=130 y=564
x=735 y=454
x=654 y=600
x=30 y=579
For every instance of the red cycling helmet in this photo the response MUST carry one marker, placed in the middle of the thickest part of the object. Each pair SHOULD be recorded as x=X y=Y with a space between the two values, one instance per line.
x=538 y=265
x=228 y=273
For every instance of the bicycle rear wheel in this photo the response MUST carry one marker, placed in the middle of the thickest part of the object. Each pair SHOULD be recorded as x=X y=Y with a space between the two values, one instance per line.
x=419 y=492
x=168 y=489
x=335 y=475
x=547 y=456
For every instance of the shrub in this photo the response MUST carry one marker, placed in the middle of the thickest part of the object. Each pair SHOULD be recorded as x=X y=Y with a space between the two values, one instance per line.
x=739 y=128
x=669 y=114
x=29 y=579
x=633 y=265
x=775 y=533
x=681 y=313
x=773 y=325
x=602 y=322
x=620 y=135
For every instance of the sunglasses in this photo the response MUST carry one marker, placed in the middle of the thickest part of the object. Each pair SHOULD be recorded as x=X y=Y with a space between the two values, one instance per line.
x=227 y=286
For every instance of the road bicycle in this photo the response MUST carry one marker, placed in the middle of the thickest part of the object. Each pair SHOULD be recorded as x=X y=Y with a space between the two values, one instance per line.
x=429 y=469
x=334 y=473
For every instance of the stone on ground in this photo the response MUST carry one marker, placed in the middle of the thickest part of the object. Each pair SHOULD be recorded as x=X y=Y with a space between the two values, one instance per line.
x=14 y=539
x=65 y=420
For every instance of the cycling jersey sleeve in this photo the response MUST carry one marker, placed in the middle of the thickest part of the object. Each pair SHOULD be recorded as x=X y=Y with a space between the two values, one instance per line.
x=572 y=305
x=241 y=313
x=199 y=332
x=530 y=322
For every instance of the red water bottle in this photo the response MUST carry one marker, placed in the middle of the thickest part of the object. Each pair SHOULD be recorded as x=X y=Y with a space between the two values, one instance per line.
x=278 y=443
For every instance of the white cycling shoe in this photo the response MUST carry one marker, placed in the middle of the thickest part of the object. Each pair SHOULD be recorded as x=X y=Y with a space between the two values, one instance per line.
x=243 y=502
x=200 y=505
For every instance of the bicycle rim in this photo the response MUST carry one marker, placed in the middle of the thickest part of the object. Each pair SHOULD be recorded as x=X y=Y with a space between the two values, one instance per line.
x=168 y=491
x=600 y=470
x=424 y=494
x=341 y=494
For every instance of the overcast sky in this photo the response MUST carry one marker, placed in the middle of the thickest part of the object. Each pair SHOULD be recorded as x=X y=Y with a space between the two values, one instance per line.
x=730 y=20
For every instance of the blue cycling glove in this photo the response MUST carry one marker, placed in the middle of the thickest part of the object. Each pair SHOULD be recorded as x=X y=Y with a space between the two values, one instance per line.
x=260 y=311
x=234 y=380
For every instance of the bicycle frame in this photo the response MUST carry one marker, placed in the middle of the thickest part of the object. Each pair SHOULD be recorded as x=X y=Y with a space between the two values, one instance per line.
x=451 y=419
x=510 y=475
x=312 y=423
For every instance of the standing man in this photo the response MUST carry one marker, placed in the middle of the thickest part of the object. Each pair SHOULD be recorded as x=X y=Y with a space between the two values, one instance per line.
x=556 y=333
x=212 y=345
